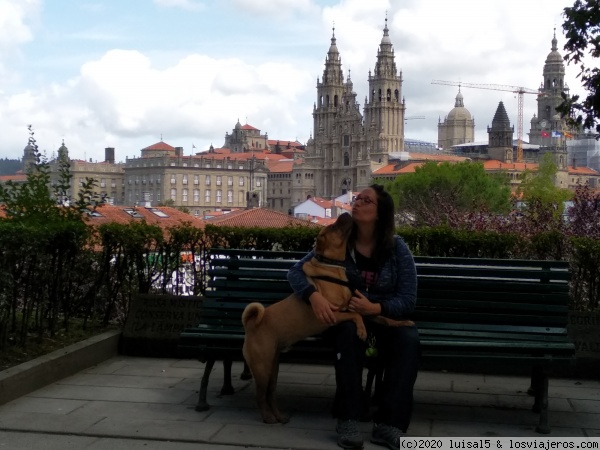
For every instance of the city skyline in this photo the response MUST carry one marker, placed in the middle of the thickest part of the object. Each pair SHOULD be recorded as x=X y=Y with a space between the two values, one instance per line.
x=128 y=74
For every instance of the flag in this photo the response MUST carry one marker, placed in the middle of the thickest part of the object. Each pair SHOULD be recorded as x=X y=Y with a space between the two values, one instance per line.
x=545 y=134
x=193 y=146
x=556 y=134
x=568 y=135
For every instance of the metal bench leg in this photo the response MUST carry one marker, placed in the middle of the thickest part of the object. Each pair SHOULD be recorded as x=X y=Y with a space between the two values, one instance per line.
x=539 y=383
x=227 y=388
x=202 y=403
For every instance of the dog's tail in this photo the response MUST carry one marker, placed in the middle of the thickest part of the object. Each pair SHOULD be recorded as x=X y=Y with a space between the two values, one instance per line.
x=253 y=314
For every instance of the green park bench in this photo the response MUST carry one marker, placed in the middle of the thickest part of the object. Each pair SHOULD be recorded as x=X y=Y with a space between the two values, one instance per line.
x=474 y=315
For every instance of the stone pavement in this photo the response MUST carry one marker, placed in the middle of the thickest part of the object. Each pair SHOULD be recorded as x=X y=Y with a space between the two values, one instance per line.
x=148 y=403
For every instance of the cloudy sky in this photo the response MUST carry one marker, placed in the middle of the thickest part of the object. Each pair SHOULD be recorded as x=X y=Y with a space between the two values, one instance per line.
x=123 y=73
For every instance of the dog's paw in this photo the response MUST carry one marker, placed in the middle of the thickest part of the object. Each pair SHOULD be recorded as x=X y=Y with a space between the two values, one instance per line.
x=362 y=333
x=282 y=418
x=270 y=419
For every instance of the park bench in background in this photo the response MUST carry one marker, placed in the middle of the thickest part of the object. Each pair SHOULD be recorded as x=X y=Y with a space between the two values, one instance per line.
x=483 y=315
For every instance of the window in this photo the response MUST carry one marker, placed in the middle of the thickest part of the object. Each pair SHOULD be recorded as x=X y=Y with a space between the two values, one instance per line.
x=207 y=196
x=207 y=182
x=229 y=181
x=185 y=179
x=258 y=182
x=103 y=182
x=196 y=195
x=218 y=180
x=173 y=179
x=229 y=196
x=196 y=179
x=219 y=195
x=241 y=181
x=158 y=196
x=184 y=195
x=113 y=182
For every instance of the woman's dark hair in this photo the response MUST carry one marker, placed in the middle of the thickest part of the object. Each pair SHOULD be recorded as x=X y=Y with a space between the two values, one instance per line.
x=384 y=226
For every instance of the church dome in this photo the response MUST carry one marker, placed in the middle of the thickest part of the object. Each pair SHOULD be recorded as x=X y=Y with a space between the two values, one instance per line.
x=459 y=112
x=554 y=56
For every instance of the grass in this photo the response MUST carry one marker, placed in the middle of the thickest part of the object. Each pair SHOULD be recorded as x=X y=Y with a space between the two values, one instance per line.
x=13 y=355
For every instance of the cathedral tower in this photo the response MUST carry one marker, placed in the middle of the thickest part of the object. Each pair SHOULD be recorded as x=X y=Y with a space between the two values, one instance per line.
x=384 y=111
x=548 y=120
x=500 y=134
x=346 y=147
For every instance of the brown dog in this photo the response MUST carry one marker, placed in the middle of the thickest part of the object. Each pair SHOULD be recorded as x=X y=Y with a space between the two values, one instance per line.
x=271 y=330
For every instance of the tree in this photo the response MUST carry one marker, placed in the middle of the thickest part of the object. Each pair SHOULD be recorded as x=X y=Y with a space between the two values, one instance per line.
x=582 y=27
x=543 y=202
x=445 y=193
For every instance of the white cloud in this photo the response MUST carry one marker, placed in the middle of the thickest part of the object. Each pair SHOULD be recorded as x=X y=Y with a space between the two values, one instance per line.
x=188 y=5
x=276 y=8
x=128 y=98
x=13 y=17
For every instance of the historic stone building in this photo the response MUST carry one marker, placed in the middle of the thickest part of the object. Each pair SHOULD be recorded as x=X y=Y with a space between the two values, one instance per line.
x=346 y=145
x=217 y=179
x=500 y=136
x=458 y=127
x=547 y=125
x=107 y=174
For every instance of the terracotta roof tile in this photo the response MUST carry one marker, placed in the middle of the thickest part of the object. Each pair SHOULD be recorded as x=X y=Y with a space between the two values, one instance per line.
x=110 y=214
x=249 y=127
x=258 y=217
x=393 y=169
x=160 y=146
x=17 y=177
x=281 y=166
x=582 y=171
x=282 y=144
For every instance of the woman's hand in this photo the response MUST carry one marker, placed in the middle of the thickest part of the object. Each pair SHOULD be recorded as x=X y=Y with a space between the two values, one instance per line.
x=322 y=308
x=362 y=305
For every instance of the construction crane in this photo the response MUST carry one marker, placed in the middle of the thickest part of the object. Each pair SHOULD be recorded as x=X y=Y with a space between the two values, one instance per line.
x=501 y=87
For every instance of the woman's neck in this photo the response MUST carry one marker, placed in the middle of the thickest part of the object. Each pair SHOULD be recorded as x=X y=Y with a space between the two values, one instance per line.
x=365 y=243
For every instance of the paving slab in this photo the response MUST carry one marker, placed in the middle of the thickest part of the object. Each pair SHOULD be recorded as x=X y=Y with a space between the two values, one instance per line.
x=148 y=403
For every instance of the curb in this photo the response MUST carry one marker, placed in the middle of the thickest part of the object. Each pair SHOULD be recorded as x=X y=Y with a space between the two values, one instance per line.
x=39 y=372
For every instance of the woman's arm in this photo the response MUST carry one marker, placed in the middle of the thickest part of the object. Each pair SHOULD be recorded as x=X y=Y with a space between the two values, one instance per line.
x=323 y=309
x=297 y=279
x=401 y=303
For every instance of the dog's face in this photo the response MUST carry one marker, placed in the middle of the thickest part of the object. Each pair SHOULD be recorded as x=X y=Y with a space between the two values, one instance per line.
x=331 y=240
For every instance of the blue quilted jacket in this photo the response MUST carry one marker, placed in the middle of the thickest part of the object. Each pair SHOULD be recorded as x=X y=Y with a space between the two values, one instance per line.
x=395 y=289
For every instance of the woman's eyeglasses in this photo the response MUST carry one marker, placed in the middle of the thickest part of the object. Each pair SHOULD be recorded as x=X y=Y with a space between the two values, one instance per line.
x=364 y=200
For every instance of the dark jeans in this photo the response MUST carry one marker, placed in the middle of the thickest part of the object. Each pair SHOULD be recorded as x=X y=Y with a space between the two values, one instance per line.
x=399 y=349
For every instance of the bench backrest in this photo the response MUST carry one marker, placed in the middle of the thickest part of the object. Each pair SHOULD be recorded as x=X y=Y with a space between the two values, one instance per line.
x=455 y=295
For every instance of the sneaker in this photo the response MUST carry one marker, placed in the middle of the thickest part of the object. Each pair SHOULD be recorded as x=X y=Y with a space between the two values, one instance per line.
x=386 y=435
x=348 y=434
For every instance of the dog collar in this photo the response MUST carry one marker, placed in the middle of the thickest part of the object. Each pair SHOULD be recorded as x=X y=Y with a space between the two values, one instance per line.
x=333 y=262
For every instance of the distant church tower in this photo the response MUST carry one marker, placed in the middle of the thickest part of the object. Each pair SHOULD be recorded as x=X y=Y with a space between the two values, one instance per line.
x=345 y=146
x=547 y=118
x=384 y=112
x=29 y=158
x=500 y=135
x=458 y=127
